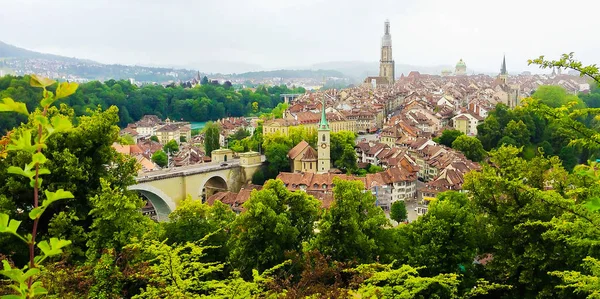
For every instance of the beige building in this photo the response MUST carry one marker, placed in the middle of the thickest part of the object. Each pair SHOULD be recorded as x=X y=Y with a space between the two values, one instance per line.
x=173 y=131
x=303 y=158
x=337 y=122
x=221 y=155
x=467 y=123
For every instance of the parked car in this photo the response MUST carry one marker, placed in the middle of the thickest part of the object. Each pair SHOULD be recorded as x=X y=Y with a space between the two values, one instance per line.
x=223 y=164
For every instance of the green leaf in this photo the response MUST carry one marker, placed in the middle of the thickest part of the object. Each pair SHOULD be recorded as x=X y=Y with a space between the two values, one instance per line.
x=30 y=273
x=36 y=213
x=54 y=247
x=47 y=100
x=41 y=119
x=27 y=172
x=9 y=105
x=8 y=225
x=38 y=158
x=43 y=171
x=22 y=142
x=39 y=291
x=59 y=124
x=54 y=196
x=40 y=81
x=66 y=89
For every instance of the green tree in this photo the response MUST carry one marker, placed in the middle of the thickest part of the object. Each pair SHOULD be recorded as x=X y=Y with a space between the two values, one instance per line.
x=212 y=133
x=352 y=229
x=154 y=138
x=444 y=240
x=447 y=137
x=398 y=211
x=193 y=221
x=116 y=220
x=240 y=134
x=276 y=220
x=489 y=132
x=470 y=146
x=171 y=147
x=374 y=168
x=126 y=140
x=276 y=147
x=297 y=134
x=524 y=218
x=582 y=283
x=182 y=139
x=160 y=158
x=518 y=132
x=555 y=96
x=339 y=141
x=347 y=161
x=204 y=80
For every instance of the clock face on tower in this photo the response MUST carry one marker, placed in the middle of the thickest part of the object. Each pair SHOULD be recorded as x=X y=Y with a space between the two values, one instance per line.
x=323 y=145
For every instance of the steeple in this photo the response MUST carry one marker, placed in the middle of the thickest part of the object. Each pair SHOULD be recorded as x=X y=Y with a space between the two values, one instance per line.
x=323 y=140
x=386 y=63
x=503 y=69
x=323 y=125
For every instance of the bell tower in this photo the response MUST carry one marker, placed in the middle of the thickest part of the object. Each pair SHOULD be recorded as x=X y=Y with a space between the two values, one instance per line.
x=323 y=142
x=386 y=63
x=503 y=73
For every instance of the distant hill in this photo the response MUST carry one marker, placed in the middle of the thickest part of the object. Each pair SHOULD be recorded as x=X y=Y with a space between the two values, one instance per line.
x=289 y=74
x=361 y=69
x=22 y=61
x=9 y=51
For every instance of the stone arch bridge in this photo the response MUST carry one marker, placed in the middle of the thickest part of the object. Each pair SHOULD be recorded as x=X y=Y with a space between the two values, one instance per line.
x=166 y=188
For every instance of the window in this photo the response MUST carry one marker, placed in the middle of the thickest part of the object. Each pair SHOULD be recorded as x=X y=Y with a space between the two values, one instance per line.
x=323 y=137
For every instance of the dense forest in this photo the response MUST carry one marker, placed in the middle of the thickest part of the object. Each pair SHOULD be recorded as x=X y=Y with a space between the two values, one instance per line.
x=526 y=227
x=204 y=102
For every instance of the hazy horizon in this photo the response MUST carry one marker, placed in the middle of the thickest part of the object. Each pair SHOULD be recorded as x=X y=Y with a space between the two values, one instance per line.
x=268 y=34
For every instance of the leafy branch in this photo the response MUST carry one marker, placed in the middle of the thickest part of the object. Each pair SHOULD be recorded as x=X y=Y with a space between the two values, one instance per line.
x=32 y=141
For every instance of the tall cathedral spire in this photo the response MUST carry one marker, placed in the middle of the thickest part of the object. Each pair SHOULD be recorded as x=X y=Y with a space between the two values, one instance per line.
x=503 y=68
x=386 y=64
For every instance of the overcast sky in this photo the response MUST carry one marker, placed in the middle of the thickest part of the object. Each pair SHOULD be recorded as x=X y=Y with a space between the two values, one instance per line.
x=286 y=33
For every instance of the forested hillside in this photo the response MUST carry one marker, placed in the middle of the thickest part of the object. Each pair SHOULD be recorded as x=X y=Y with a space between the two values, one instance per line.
x=69 y=227
x=203 y=103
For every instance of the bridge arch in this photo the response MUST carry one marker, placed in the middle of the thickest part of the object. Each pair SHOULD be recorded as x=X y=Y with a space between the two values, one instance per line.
x=161 y=202
x=212 y=185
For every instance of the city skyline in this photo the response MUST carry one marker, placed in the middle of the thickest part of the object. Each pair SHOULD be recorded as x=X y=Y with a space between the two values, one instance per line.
x=271 y=35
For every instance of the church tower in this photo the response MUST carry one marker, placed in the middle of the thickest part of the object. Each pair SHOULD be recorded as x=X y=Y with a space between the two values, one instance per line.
x=324 y=161
x=503 y=73
x=386 y=64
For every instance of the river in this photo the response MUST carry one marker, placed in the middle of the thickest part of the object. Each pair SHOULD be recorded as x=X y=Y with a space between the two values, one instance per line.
x=198 y=125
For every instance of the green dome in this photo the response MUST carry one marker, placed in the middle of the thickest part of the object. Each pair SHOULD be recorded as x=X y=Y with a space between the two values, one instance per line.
x=461 y=63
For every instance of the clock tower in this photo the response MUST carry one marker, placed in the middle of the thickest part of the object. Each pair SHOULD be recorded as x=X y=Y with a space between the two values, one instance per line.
x=324 y=161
